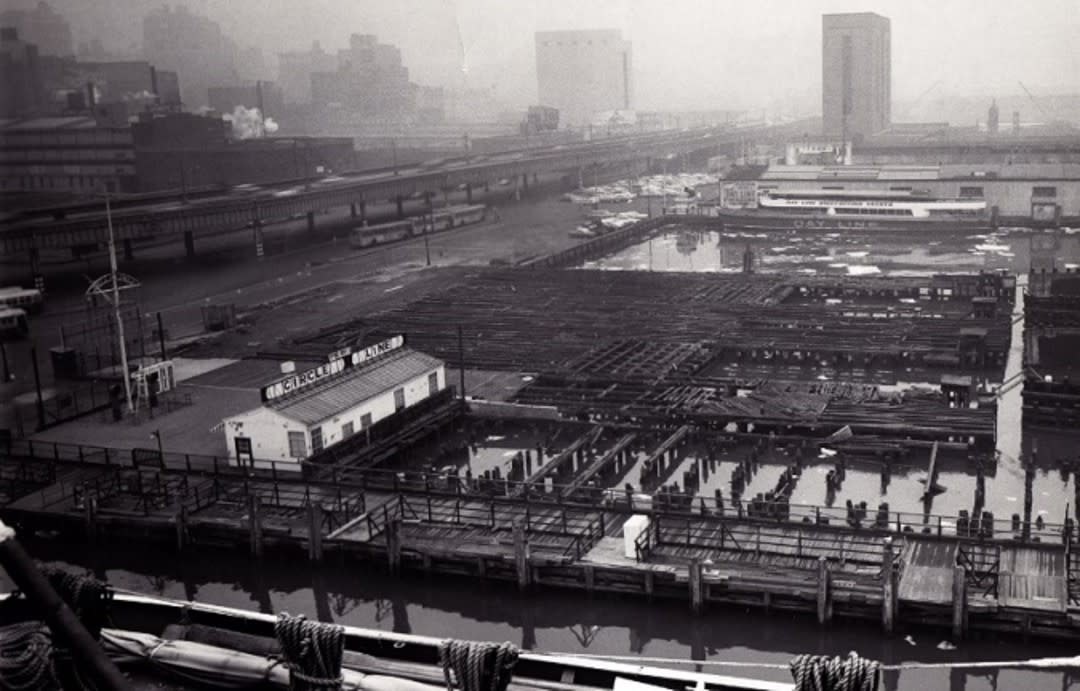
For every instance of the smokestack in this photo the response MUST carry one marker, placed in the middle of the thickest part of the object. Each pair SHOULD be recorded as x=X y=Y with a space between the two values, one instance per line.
x=259 y=105
x=90 y=100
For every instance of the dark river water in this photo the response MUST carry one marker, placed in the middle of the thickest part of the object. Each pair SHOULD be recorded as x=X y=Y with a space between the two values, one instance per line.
x=554 y=621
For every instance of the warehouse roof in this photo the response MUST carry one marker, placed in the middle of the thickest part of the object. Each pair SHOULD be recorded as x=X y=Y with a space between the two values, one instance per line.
x=341 y=393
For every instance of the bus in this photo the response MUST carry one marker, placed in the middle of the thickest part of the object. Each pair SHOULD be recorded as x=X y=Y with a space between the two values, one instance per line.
x=368 y=236
x=454 y=217
x=13 y=324
x=28 y=299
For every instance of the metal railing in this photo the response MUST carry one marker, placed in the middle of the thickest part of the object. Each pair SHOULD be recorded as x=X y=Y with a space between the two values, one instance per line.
x=611 y=501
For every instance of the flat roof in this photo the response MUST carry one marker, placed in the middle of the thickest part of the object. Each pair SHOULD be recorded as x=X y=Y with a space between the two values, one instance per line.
x=331 y=398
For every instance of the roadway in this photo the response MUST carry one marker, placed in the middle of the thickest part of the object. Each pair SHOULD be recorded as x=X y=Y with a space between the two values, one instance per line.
x=174 y=219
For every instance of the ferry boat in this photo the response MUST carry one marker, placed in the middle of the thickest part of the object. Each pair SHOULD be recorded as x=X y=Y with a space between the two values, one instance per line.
x=857 y=210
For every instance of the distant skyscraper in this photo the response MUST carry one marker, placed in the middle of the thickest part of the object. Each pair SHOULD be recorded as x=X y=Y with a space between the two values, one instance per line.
x=992 y=118
x=43 y=27
x=583 y=73
x=856 y=74
x=192 y=45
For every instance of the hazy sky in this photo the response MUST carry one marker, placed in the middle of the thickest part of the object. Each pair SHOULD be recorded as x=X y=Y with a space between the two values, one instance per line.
x=687 y=53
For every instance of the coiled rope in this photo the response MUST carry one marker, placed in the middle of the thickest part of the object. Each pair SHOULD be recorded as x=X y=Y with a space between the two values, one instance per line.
x=88 y=597
x=477 y=666
x=823 y=673
x=313 y=651
x=25 y=658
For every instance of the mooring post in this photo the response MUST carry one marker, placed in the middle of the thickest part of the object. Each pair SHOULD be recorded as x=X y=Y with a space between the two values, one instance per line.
x=255 y=526
x=181 y=529
x=697 y=590
x=959 y=603
x=824 y=593
x=888 y=587
x=590 y=578
x=91 y=518
x=315 y=519
x=393 y=545
x=521 y=555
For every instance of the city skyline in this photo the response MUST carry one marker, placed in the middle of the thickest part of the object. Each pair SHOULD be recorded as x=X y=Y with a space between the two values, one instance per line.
x=692 y=56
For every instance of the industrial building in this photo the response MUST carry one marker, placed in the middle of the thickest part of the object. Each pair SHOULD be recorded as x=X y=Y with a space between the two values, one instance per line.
x=65 y=155
x=305 y=412
x=856 y=74
x=581 y=73
x=1033 y=192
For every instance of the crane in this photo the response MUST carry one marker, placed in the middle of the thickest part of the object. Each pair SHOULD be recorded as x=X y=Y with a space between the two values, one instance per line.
x=1037 y=104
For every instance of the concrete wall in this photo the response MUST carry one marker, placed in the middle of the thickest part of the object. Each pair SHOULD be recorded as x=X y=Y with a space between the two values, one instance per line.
x=269 y=430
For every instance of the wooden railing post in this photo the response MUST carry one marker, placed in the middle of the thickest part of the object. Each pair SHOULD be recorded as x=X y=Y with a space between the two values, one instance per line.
x=824 y=594
x=888 y=587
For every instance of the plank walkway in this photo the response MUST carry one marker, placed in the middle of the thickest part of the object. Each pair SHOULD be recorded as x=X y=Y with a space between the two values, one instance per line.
x=928 y=571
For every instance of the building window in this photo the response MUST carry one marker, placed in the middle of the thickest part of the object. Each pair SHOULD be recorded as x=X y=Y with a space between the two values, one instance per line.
x=399 y=399
x=433 y=383
x=1043 y=191
x=297 y=447
x=971 y=193
x=899 y=189
x=316 y=440
x=832 y=187
x=346 y=430
x=365 y=421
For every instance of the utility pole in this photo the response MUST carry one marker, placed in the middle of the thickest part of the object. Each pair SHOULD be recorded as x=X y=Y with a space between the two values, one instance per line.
x=116 y=306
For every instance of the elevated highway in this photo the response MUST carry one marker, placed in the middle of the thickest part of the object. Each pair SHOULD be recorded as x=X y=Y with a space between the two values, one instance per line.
x=177 y=217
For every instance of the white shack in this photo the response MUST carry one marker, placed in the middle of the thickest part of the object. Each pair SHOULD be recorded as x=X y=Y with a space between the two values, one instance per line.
x=304 y=412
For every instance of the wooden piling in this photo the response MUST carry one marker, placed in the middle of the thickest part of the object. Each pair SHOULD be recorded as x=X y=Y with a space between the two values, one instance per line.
x=521 y=555
x=255 y=526
x=590 y=578
x=315 y=537
x=650 y=584
x=959 y=603
x=181 y=529
x=888 y=587
x=697 y=589
x=393 y=545
x=824 y=593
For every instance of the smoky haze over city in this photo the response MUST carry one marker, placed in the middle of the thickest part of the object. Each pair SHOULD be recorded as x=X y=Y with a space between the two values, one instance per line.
x=619 y=345
x=688 y=55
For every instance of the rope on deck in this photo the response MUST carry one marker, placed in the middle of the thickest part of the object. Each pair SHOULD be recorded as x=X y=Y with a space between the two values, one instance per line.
x=312 y=650
x=824 y=673
x=477 y=666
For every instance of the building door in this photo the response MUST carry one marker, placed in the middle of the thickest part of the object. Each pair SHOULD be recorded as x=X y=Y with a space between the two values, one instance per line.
x=244 y=453
x=433 y=383
x=399 y=399
x=316 y=440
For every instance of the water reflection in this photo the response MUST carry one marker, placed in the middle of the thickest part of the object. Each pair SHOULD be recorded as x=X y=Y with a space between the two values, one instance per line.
x=555 y=621
x=1016 y=249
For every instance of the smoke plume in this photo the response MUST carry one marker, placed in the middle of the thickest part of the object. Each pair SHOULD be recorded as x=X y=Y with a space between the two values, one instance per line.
x=247 y=123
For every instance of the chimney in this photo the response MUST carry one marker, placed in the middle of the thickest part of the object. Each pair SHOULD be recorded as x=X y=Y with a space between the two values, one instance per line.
x=259 y=105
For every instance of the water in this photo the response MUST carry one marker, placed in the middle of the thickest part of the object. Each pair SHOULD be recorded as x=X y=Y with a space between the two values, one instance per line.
x=553 y=621
x=849 y=253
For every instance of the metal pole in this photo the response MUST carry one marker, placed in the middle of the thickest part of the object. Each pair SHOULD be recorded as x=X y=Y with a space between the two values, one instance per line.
x=7 y=368
x=160 y=449
x=116 y=307
x=461 y=360
x=63 y=623
x=37 y=385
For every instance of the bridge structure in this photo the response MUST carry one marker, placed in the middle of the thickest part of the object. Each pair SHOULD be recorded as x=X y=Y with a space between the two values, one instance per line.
x=179 y=216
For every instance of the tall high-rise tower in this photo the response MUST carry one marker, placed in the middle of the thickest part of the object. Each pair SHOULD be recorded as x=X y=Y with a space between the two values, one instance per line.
x=856 y=74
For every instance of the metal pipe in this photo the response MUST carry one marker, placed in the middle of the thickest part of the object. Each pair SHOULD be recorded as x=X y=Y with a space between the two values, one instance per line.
x=116 y=307
x=63 y=623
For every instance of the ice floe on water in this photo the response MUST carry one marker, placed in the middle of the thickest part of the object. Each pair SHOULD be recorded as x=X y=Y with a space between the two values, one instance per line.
x=863 y=270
